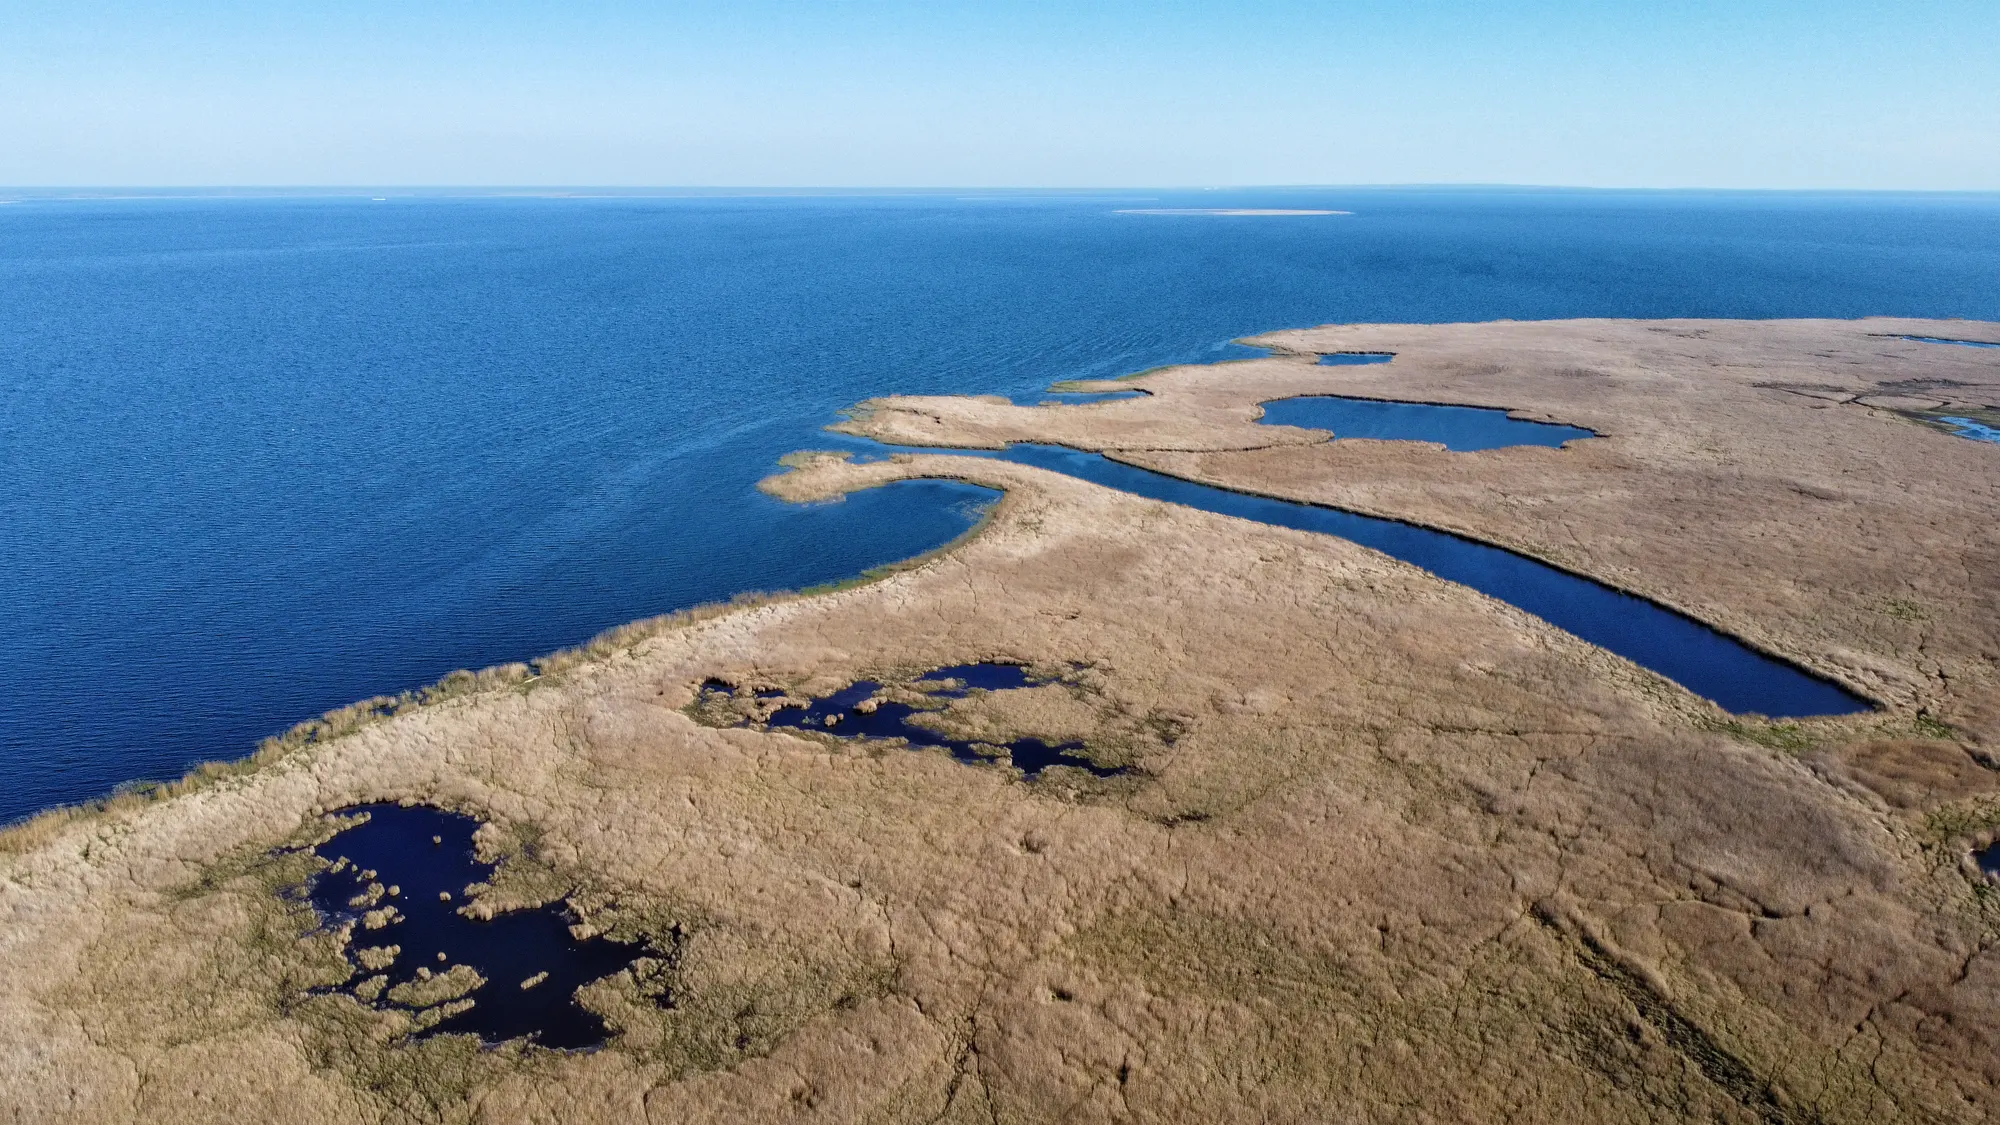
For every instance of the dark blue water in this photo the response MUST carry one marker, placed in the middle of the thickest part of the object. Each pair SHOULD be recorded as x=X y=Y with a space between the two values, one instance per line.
x=1460 y=428
x=1988 y=859
x=264 y=457
x=1691 y=654
x=1354 y=359
x=423 y=852
x=843 y=715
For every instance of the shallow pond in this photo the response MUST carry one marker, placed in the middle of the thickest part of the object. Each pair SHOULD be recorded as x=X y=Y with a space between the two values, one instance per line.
x=854 y=712
x=1460 y=428
x=423 y=854
x=1967 y=428
x=1945 y=340
x=1354 y=359
x=1704 y=661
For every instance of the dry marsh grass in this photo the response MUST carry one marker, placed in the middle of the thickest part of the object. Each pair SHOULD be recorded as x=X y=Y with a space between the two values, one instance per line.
x=1392 y=847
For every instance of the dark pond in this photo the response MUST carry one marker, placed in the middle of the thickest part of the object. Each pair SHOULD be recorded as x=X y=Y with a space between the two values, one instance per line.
x=1354 y=359
x=1988 y=858
x=423 y=853
x=1460 y=428
x=842 y=714
x=1943 y=340
x=1697 y=657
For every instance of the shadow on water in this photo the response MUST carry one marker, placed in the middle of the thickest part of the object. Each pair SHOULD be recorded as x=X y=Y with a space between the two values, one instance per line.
x=855 y=712
x=1460 y=428
x=1706 y=662
x=424 y=854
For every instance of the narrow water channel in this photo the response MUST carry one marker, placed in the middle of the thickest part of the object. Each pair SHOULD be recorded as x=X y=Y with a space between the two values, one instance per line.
x=1706 y=662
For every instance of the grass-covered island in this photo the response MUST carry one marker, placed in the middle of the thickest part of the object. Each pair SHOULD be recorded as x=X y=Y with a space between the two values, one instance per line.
x=1311 y=834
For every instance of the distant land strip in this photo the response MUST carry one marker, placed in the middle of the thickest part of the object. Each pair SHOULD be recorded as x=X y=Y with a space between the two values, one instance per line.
x=1223 y=211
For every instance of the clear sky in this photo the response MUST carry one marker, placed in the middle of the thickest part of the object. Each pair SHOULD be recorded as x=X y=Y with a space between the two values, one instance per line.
x=1694 y=93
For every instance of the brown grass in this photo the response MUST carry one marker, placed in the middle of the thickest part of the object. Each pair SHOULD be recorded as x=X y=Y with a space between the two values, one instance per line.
x=1392 y=847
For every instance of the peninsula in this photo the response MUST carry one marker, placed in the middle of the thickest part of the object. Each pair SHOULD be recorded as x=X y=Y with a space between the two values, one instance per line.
x=1121 y=810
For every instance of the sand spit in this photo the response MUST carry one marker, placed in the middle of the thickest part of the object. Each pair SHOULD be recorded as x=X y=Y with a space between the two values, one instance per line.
x=1389 y=850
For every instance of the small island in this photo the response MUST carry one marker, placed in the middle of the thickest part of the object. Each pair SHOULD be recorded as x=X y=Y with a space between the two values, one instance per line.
x=1123 y=810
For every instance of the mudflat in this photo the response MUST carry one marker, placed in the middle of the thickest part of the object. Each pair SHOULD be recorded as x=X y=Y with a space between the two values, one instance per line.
x=1384 y=849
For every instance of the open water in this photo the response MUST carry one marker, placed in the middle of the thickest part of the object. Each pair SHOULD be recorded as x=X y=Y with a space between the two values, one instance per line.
x=263 y=457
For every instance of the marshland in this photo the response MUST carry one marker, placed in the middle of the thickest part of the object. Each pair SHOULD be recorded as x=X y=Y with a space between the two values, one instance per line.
x=1118 y=750
x=1356 y=831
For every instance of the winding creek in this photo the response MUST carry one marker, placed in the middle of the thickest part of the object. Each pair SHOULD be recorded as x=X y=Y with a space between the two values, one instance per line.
x=1707 y=662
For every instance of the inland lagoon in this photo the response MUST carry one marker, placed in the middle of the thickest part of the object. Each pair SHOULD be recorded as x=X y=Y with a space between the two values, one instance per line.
x=1462 y=428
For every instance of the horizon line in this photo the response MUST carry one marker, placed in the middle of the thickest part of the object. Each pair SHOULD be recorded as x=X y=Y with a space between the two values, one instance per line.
x=612 y=191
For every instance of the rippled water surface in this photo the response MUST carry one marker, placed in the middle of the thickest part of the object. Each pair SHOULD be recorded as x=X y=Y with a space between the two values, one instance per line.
x=264 y=457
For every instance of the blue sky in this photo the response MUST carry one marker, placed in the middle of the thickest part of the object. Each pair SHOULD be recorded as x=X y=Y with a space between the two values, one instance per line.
x=1835 y=94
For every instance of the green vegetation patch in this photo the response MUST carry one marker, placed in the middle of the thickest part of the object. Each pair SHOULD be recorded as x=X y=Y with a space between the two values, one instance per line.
x=1790 y=737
